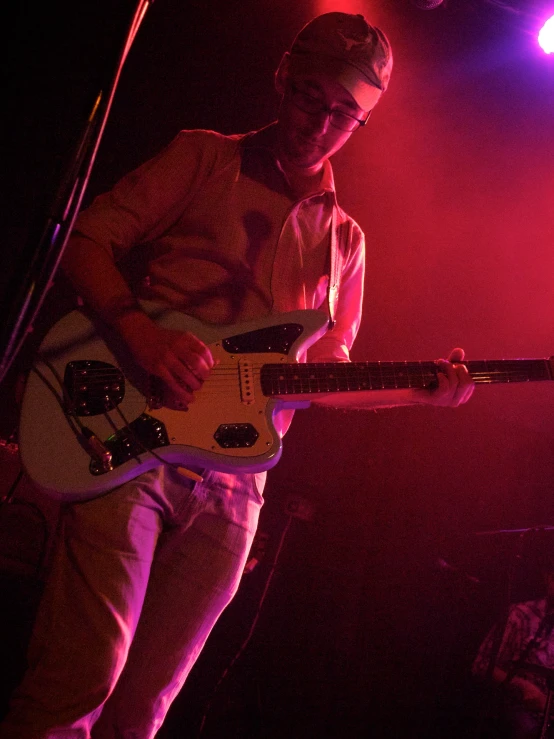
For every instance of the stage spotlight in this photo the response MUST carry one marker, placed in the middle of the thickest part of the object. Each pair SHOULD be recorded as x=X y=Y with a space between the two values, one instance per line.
x=546 y=36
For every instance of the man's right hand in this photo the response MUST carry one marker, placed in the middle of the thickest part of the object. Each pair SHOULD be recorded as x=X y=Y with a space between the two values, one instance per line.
x=178 y=358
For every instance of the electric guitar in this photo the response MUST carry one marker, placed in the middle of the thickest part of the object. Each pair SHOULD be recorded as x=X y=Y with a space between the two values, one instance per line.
x=91 y=421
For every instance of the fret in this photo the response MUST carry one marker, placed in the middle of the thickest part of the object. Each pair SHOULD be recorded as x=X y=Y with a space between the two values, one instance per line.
x=332 y=377
x=389 y=376
x=409 y=372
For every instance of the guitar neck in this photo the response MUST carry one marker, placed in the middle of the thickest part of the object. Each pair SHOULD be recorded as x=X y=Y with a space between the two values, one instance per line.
x=332 y=377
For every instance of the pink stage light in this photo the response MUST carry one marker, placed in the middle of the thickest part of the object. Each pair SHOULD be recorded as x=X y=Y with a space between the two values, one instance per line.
x=546 y=36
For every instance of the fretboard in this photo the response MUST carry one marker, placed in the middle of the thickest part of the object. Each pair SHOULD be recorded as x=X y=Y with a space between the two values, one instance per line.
x=293 y=379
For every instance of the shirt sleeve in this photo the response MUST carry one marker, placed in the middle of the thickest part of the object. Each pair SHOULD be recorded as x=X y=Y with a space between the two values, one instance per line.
x=335 y=345
x=148 y=200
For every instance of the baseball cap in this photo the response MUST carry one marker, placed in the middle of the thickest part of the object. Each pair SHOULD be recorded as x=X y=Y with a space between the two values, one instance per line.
x=357 y=55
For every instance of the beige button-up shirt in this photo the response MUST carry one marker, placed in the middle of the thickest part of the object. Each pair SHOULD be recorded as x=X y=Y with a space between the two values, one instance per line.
x=209 y=226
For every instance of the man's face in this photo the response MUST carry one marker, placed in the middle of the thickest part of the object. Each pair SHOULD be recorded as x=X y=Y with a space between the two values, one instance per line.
x=306 y=140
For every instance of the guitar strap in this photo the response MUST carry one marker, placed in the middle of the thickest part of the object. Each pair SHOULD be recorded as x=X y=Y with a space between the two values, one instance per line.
x=340 y=239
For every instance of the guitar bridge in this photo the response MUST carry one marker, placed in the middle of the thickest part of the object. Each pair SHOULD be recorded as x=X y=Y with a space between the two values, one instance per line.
x=246 y=381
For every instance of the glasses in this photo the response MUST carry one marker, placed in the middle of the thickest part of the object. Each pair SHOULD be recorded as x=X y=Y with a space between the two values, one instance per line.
x=313 y=106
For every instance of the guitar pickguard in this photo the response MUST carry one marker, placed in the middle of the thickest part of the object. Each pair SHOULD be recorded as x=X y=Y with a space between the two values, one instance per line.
x=278 y=339
x=145 y=432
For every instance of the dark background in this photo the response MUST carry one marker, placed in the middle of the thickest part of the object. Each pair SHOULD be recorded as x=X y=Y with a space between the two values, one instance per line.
x=361 y=633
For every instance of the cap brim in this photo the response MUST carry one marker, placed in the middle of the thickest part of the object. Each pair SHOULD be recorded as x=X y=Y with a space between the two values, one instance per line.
x=365 y=93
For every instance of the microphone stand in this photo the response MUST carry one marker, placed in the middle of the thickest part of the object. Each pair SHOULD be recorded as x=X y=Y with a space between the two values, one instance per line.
x=27 y=295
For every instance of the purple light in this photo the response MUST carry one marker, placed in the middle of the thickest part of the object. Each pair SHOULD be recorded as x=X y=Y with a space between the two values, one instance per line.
x=546 y=36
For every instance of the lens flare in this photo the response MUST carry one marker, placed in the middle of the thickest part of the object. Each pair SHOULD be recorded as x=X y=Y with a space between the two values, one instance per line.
x=546 y=36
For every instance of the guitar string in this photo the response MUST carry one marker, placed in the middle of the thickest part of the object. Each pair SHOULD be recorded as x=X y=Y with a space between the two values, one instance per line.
x=279 y=383
x=292 y=378
x=539 y=364
x=508 y=367
x=350 y=368
x=322 y=370
x=228 y=377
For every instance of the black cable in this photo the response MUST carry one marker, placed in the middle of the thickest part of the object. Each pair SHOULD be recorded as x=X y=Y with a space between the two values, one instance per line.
x=8 y=498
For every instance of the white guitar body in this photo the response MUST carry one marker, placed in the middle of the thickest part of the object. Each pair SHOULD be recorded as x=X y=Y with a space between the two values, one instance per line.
x=229 y=426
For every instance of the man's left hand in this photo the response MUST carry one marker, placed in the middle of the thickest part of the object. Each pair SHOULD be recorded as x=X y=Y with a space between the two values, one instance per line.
x=455 y=385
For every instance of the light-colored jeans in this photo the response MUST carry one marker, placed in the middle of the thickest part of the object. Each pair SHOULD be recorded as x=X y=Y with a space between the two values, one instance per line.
x=139 y=579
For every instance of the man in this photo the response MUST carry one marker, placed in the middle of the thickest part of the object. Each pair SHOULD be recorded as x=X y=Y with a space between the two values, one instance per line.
x=523 y=667
x=229 y=228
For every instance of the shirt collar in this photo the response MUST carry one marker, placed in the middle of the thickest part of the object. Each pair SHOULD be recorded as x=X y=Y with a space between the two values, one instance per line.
x=264 y=139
